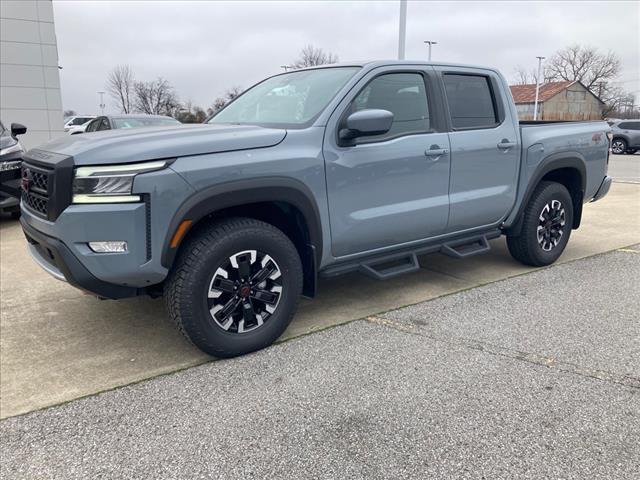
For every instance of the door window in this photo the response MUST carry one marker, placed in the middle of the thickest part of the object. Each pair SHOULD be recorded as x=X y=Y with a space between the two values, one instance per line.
x=404 y=95
x=93 y=125
x=629 y=125
x=471 y=102
x=104 y=124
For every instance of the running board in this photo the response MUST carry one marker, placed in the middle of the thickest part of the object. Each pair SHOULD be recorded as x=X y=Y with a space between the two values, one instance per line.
x=466 y=248
x=386 y=267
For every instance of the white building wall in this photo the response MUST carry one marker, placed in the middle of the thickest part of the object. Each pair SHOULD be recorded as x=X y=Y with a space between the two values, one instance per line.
x=29 y=78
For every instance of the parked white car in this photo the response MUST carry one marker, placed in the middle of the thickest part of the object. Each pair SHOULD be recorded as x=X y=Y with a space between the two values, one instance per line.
x=77 y=122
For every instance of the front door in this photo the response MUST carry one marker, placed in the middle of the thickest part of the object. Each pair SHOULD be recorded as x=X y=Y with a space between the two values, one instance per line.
x=389 y=189
x=485 y=149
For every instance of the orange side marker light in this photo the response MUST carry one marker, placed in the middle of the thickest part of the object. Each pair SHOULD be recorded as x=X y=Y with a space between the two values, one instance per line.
x=182 y=229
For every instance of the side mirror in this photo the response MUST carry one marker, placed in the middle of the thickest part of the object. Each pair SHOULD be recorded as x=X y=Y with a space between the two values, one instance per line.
x=18 y=129
x=366 y=123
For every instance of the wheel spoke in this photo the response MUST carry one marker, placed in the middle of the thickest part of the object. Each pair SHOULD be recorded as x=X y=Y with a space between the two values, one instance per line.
x=265 y=296
x=263 y=274
x=248 y=315
x=221 y=314
x=221 y=285
x=244 y=267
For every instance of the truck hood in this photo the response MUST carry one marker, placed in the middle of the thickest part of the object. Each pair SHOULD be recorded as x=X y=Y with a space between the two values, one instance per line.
x=140 y=144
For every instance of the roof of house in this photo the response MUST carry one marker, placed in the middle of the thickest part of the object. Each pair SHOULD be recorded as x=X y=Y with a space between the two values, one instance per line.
x=527 y=93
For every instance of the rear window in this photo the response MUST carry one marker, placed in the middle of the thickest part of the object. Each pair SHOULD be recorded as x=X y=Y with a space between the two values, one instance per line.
x=629 y=125
x=471 y=102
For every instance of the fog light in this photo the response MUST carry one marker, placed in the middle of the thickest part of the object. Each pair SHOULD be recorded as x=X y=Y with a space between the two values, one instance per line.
x=108 y=247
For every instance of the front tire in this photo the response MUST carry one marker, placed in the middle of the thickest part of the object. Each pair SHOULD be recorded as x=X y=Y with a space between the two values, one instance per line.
x=235 y=287
x=547 y=224
x=618 y=146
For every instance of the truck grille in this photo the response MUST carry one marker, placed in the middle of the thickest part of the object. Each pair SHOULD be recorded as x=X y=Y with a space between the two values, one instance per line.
x=36 y=189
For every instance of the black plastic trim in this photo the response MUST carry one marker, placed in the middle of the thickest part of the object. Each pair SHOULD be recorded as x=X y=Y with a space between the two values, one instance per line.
x=245 y=192
x=74 y=272
x=551 y=163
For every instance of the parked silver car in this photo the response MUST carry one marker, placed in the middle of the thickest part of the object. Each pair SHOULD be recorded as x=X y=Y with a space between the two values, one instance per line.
x=626 y=136
x=113 y=122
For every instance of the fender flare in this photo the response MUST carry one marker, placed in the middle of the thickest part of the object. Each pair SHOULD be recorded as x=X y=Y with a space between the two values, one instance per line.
x=243 y=192
x=549 y=164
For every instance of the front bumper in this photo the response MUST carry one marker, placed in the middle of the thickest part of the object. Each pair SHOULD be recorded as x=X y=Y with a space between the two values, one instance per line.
x=58 y=260
x=603 y=189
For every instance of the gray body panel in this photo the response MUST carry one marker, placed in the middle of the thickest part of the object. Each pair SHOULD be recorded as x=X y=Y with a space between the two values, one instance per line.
x=370 y=198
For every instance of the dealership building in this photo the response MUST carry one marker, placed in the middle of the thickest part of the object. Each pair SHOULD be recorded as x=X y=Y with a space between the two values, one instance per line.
x=29 y=73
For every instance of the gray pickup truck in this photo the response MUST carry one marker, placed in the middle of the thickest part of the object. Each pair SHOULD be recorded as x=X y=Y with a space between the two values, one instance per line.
x=314 y=172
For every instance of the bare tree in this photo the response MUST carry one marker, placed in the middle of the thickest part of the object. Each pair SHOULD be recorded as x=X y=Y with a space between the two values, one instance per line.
x=69 y=113
x=593 y=69
x=120 y=85
x=584 y=64
x=522 y=76
x=311 y=56
x=156 y=97
x=190 y=113
x=228 y=96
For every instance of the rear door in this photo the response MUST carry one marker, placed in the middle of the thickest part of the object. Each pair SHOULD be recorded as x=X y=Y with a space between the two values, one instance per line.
x=485 y=148
x=392 y=188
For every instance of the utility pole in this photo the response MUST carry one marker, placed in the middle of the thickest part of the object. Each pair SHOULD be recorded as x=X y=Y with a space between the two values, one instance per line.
x=102 y=105
x=535 y=106
x=430 y=42
x=402 y=29
x=286 y=67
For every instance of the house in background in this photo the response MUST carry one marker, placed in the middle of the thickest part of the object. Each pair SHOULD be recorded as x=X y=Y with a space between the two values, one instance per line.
x=557 y=101
x=29 y=77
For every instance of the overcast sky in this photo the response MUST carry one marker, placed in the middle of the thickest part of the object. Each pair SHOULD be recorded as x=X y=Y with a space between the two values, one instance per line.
x=203 y=48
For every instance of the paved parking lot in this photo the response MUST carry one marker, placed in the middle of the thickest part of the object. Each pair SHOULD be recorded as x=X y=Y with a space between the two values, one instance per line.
x=58 y=345
x=625 y=168
x=536 y=376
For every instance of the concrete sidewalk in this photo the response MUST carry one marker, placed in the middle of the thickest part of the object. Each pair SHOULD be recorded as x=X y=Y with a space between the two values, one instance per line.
x=532 y=377
x=57 y=344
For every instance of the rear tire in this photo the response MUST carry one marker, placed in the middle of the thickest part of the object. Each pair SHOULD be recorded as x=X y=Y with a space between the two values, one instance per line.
x=618 y=146
x=547 y=224
x=235 y=287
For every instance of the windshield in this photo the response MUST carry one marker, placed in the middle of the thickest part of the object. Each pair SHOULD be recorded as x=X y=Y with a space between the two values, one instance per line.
x=291 y=99
x=143 y=122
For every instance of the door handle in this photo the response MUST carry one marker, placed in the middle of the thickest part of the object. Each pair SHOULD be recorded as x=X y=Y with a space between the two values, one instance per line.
x=506 y=145
x=436 y=152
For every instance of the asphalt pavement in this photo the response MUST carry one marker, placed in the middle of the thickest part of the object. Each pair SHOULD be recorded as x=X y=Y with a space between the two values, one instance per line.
x=625 y=168
x=536 y=376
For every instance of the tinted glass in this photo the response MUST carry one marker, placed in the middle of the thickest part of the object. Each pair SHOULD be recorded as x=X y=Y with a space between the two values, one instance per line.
x=137 y=122
x=104 y=124
x=470 y=101
x=291 y=99
x=79 y=120
x=629 y=125
x=404 y=95
x=92 y=126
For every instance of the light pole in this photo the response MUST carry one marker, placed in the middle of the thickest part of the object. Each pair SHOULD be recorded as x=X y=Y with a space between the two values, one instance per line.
x=102 y=105
x=402 y=29
x=430 y=42
x=535 y=105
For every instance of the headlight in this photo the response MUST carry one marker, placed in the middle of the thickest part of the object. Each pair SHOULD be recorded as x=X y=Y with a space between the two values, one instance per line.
x=110 y=183
x=16 y=147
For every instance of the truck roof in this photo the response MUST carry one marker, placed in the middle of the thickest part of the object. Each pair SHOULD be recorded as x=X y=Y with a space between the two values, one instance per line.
x=384 y=63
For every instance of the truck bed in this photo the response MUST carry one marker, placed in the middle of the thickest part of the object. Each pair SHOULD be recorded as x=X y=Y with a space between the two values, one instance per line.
x=584 y=140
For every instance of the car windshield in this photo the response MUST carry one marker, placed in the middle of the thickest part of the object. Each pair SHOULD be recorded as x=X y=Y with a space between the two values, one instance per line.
x=291 y=99
x=136 y=122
